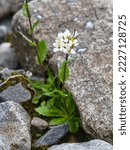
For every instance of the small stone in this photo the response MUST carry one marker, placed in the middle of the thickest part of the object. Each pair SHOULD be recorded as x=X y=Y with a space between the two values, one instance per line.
x=17 y=93
x=14 y=127
x=6 y=73
x=52 y=136
x=91 y=145
x=39 y=124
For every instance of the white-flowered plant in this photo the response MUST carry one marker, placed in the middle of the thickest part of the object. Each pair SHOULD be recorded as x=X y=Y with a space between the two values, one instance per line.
x=55 y=101
x=66 y=42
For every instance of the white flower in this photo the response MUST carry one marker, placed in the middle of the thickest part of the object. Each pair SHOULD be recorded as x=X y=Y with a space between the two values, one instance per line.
x=58 y=45
x=67 y=34
x=66 y=42
x=28 y=74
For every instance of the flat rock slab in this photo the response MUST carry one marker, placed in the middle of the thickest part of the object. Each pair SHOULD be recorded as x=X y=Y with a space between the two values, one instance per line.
x=91 y=145
x=90 y=79
x=14 y=127
x=17 y=93
x=52 y=136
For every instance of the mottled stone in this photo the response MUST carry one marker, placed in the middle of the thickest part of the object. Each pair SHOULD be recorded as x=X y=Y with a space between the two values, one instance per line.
x=52 y=136
x=14 y=127
x=90 y=79
x=17 y=93
x=39 y=124
x=7 y=56
x=91 y=145
x=4 y=144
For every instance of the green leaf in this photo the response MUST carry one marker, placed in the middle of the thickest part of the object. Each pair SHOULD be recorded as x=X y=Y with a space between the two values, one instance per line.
x=42 y=52
x=37 y=85
x=61 y=93
x=31 y=31
x=70 y=104
x=57 y=121
x=31 y=43
x=59 y=104
x=63 y=72
x=50 y=102
x=49 y=111
x=73 y=127
x=35 y=100
x=24 y=9
x=51 y=77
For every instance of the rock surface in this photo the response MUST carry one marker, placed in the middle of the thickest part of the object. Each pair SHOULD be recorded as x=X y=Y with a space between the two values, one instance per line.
x=7 y=56
x=52 y=136
x=91 y=145
x=58 y=15
x=14 y=127
x=39 y=124
x=17 y=93
x=90 y=74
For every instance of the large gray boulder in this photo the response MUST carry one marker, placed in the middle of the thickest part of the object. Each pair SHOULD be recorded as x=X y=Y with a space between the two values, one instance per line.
x=91 y=73
x=14 y=127
x=91 y=145
x=56 y=15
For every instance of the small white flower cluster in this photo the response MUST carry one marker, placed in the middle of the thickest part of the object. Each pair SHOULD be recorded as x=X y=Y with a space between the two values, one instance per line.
x=28 y=74
x=66 y=42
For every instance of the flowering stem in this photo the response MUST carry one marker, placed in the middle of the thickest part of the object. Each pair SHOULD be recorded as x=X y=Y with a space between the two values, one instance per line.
x=29 y=16
x=32 y=34
x=66 y=59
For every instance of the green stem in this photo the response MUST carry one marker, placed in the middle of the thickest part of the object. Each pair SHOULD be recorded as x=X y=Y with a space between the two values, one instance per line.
x=32 y=35
x=66 y=59
x=29 y=16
